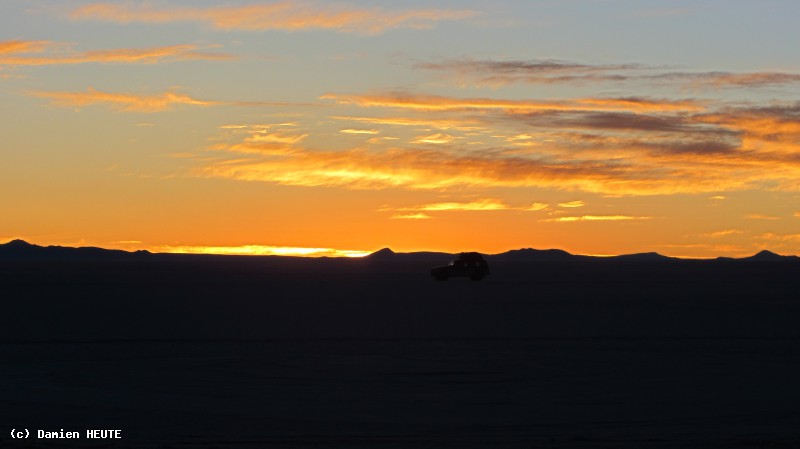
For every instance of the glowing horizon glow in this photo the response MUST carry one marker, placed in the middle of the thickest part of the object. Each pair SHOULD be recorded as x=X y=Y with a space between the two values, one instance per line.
x=261 y=250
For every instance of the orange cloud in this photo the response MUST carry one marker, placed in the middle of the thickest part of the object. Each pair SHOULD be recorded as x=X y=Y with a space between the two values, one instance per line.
x=11 y=53
x=537 y=206
x=577 y=203
x=258 y=128
x=17 y=46
x=417 y=216
x=432 y=168
x=728 y=149
x=488 y=204
x=457 y=124
x=259 y=141
x=754 y=125
x=282 y=15
x=438 y=138
x=774 y=128
x=121 y=101
x=359 y=131
x=723 y=233
x=276 y=137
x=773 y=237
x=480 y=205
x=596 y=218
x=379 y=140
x=608 y=152
x=761 y=217
x=415 y=169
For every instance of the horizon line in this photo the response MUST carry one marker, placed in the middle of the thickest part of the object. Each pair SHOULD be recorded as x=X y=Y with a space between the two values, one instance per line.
x=320 y=252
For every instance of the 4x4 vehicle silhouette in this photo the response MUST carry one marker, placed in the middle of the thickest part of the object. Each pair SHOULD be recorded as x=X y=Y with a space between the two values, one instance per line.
x=471 y=265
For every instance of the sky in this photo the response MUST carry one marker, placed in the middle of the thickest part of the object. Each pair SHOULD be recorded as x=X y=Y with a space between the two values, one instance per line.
x=338 y=128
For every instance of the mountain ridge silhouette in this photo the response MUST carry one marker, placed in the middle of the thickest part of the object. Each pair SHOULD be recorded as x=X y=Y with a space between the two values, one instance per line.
x=21 y=249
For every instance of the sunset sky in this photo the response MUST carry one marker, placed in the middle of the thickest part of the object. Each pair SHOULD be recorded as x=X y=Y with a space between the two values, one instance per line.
x=339 y=128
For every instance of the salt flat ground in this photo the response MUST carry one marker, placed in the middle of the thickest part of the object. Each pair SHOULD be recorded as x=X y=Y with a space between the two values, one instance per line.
x=291 y=353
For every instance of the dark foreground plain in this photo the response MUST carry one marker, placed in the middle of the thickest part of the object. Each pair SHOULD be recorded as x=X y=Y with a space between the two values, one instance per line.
x=241 y=352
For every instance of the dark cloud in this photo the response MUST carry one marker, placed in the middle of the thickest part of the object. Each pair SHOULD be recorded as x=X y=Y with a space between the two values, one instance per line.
x=629 y=122
x=728 y=79
x=706 y=147
x=618 y=122
x=494 y=72
x=790 y=111
x=541 y=67
x=535 y=72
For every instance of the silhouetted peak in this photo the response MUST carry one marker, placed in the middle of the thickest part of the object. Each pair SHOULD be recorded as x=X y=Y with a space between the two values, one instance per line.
x=19 y=247
x=643 y=256
x=534 y=254
x=537 y=251
x=18 y=244
x=382 y=253
x=765 y=255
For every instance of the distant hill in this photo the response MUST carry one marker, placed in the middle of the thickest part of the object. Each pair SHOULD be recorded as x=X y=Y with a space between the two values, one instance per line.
x=387 y=255
x=768 y=256
x=525 y=254
x=382 y=254
x=557 y=255
x=515 y=255
x=644 y=257
x=19 y=247
x=530 y=254
x=22 y=250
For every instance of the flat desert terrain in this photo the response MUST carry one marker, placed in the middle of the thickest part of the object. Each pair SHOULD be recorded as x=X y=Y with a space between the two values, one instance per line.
x=241 y=352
